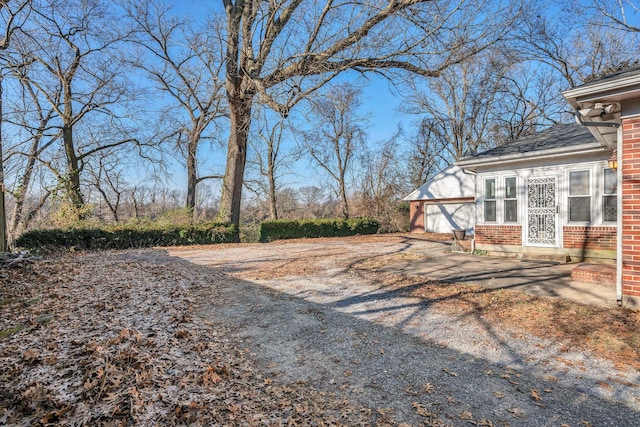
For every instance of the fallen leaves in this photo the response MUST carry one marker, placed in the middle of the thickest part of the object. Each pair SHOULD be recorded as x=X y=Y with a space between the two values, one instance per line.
x=516 y=412
x=535 y=395
x=31 y=355
x=465 y=415
x=97 y=348
x=446 y=371
x=483 y=423
x=111 y=339
x=422 y=410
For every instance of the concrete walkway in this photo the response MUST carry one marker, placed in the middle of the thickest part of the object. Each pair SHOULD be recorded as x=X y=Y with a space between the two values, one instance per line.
x=542 y=278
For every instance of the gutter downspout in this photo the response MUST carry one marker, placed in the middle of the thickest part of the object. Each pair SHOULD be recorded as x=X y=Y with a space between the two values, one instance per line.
x=475 y=208
x=595 y=124
x=618 y=198
x=619 y=220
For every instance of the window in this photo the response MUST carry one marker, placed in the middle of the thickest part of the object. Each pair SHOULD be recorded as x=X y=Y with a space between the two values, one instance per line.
x=490 y=200
x=609 y=198
x=579 y=196
x=510 y=200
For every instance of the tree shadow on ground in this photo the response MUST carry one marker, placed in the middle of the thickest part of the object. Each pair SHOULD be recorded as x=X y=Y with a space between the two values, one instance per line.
x=371 y=346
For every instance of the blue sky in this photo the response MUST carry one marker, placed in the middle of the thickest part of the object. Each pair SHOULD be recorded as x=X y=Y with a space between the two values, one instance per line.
x=379 y=104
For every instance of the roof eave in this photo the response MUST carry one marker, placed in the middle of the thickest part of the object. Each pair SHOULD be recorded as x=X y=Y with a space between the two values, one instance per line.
x=617 y=89
x=570 y=151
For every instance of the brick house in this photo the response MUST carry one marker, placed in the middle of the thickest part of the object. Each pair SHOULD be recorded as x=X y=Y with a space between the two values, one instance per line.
x=548 y=195
x=570 y=191
x=609 y=108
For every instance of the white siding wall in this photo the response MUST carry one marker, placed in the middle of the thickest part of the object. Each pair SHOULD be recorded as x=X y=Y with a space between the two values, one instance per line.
x=442 y=218
x=561 y=172
x=453 y=182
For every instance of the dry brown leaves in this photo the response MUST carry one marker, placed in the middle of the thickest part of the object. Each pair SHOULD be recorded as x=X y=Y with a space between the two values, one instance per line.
x=609 y=334
x=109 y=339
x=102 y=340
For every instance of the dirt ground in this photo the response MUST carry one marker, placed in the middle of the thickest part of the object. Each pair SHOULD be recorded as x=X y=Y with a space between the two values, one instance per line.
x=305 y=332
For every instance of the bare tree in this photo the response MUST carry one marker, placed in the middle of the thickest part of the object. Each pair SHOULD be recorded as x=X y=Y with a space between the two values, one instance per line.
x=107 y=177
x=269 y=157
x=423 y=154
x=312 y=198
x=28 y=117
x=72 y=51
x=383 y=184
x=457 y=109
x=186 y=64
x=575 y=46
x=299 y=45
x=524 y=104
x=337 y=134
x=623 y=14
x=11 y=20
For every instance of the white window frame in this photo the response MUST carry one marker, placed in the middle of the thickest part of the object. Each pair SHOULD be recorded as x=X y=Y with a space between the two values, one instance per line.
x=515 y=198
x=494 y=199
x=590 y=195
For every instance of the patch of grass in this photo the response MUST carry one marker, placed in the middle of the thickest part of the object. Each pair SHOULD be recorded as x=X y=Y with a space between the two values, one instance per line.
x=10 y=331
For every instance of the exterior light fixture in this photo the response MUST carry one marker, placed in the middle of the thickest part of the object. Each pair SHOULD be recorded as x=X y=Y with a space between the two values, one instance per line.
x=613 y=160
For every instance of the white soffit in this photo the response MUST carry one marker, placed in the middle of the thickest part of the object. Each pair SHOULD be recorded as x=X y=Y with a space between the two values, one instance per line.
x=610 y=90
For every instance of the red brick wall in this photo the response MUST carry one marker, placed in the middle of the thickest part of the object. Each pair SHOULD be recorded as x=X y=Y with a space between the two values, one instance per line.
x=631 y=207
x=595 y=238
x=416 y=215
x=499 y=234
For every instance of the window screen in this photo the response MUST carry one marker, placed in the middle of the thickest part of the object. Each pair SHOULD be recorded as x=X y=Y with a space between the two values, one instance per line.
x=579 y=196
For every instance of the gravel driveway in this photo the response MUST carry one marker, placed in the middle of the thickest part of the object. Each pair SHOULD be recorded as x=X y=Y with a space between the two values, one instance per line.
x=304 y=316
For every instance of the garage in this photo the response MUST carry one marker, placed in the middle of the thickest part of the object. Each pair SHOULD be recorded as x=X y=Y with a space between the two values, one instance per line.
x=444 y=203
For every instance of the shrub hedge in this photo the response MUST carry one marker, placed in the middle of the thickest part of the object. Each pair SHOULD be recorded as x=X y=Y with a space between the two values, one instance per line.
x=291 y=229
x=127 y=236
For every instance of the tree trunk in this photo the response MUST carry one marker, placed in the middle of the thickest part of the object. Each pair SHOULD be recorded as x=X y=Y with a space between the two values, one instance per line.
x=240 y=115
x=343 y=198
x=192 y=174
x=3 y=210
x=18 y=223
x=273 y=200
x=134 y=202
x=72 y=185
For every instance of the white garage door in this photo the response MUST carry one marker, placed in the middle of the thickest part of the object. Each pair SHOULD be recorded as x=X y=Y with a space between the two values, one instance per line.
x=443 y=218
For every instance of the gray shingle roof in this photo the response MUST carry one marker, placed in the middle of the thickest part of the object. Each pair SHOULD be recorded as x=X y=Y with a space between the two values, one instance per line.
x=625 y=72
x=557 y=136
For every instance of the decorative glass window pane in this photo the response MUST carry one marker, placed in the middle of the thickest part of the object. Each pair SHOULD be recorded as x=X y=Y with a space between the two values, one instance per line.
x=510 y=188
x=579 y=183
x=490 y=210
x=610 y=181
x=510 y=211
x=610 y=208
x=490 y=189
x=580 y=209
